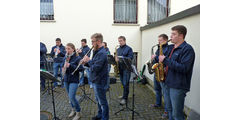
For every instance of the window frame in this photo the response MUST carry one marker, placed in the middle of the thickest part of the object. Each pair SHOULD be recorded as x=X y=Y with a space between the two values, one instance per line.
x=120 y=22
x=158 y=20
x=53 y=16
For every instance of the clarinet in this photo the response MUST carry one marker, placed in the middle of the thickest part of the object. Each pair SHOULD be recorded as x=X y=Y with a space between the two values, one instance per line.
x=64 y=67
x=80 y=63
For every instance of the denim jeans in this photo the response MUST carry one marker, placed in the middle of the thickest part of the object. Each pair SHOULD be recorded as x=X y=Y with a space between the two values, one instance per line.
x=88 y=76
x=177 y=98
x=81 y=81
x=125 y=77
x=42 y=80
x=158 y=91
x=71 y=89
x=167 y=102
x=56 y=67
x=100 y=96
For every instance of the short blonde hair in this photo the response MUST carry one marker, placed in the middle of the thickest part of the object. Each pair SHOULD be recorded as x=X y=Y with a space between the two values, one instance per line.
x=97 y=36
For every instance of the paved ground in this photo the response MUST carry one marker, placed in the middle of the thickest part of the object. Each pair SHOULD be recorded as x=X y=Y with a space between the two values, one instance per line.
x=143 y=97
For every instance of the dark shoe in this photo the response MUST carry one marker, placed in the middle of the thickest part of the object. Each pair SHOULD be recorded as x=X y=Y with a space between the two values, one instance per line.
x=154 y=106
x=96 y=118
x=108 y=89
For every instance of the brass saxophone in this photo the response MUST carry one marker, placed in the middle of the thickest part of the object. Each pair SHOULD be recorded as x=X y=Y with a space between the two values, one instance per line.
x=116 y=69
x=149 y=63
x=158 y=67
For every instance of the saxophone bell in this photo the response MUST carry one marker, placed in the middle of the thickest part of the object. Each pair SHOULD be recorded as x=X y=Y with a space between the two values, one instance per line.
x=149 y=62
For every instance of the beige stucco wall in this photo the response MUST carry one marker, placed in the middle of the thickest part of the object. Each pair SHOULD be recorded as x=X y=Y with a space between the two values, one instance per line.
x=149 y=38
x=75 y=19
x=180 y=5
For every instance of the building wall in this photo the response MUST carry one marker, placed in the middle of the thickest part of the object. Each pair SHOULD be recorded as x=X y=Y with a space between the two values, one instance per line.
x=149 y=38
x=180 y=5
x=75 y=19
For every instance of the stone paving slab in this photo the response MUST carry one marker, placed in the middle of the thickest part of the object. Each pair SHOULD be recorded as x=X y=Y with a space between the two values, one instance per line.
x=143 y=98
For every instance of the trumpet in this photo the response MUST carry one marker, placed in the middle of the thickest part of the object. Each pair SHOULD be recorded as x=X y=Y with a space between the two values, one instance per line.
x=80 y=63
x=158 y=67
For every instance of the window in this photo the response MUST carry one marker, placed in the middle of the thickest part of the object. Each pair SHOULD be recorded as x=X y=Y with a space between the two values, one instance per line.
x=125 y=11
x=157 y=10
x=46 y=10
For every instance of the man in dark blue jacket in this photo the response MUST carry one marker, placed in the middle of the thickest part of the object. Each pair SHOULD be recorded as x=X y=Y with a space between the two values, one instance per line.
x=82 y=51
x=160 y=87
x=179 y=66
x=127 y=53
x=58 y=52
x=43 y=51
x=99 y=74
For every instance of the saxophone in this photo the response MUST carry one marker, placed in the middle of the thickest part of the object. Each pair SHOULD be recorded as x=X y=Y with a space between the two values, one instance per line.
x=149 y=63
x=158 y=67
x=116 y=69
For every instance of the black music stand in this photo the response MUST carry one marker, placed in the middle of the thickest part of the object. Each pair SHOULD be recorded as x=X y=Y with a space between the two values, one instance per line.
x=128 y=65
x=48 y=66
x=112 y=61
x=50 y=77
x=85 y=95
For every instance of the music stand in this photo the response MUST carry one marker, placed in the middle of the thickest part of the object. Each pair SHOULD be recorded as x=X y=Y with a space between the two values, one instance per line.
x=50 y=77
x=85 y=95
x=48 y=66
x=128 y=65
x=112 y=61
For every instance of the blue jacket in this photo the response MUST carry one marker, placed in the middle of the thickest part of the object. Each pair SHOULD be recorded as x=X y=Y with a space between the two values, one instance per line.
x=85 y=49
x=126 y=52
x=43 y=51
x=60 y=56
x=165 y=50
x=74 y=60
x=99 y=67
x=107 y=51
x=180 y=66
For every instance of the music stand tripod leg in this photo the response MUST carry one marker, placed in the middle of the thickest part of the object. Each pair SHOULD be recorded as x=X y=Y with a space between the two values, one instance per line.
x=85 y=96
x=53 y=101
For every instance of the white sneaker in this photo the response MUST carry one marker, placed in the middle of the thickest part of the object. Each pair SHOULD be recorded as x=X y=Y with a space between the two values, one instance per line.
x=72 y=113
x=120 y=97
x=123 y=102
x=77 y=116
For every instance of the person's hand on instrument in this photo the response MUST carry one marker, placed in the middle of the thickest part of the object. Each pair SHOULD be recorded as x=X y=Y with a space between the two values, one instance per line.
x=86 y=59
x=79 y=51
x=55 y=49
x=67 y=65
x=116 y=59
x=153 y=56
x=161 y=58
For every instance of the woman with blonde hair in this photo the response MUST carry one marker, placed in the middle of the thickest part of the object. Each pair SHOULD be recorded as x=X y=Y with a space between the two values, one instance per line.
x=71 y=61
